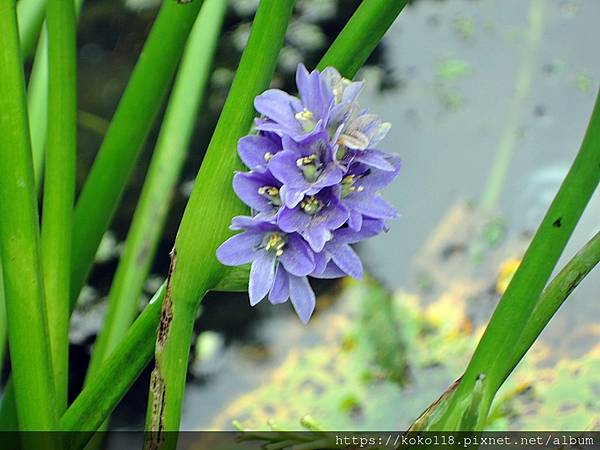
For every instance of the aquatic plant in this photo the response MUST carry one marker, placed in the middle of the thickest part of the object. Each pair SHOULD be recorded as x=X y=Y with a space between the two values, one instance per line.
x=311 y=192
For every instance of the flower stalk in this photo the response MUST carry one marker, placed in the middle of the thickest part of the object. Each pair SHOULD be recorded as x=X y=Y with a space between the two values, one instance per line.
x=59 y=185
x=20 y=242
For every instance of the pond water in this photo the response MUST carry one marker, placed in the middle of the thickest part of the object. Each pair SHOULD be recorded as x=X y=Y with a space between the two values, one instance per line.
x=488 y=84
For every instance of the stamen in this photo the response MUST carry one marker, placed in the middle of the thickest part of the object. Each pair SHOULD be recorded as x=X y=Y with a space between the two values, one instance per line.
x=268 y=156
x=275 y=242
x=348 y=185
x=306 y=160
x=308 y=167
x=311 y=205
x=305 y=117
x=305 y=114
x=272 y=193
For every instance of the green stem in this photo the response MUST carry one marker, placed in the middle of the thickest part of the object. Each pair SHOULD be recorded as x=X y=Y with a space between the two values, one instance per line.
x=194 y=268
x=37 y=102
x=129 y=128
x=554 y=295
x=361 y=35
x=37 y=107
x=493 y=356
x=98 y=398
x=167 y=160
x=59 y=185
x=19 y=241
x=30 y=15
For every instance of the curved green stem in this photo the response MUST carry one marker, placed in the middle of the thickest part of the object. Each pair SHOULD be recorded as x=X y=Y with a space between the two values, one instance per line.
x=129 y=128
x=494 y=354
x=19 y=241
x=59 y=185
x=554 y=295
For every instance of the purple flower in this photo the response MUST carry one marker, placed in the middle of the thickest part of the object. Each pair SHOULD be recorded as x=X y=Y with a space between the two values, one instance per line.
x=358 y=130
x=305 y=169
x=280 y=263
x=315 y=217
x=256 y=151
x=360 y=192
x=338 y=259
x=260 y=191
x=287 y=115
x=313 y=186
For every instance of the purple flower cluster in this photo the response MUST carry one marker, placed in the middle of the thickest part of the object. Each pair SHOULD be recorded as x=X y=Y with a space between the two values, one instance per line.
x=313 y=188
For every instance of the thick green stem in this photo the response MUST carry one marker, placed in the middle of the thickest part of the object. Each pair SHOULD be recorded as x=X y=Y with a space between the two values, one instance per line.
x=554 y=295
x=194 y=268
x=37 y=102
x=59 y=185
x=129 y=128
x=30 y=15
x=98 y=398
x=167 y=160
x=494 y=354
x=361 y=35
x=19 y=242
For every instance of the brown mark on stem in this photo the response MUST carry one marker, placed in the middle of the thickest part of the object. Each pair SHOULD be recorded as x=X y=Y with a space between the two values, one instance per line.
x=157 y=382
x=166 y=316
x=157 y=388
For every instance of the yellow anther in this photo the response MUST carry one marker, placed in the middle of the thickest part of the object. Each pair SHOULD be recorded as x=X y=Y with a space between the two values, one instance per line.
x=275 y=242
x=268 y=156
x=360 y=188
x=269 y=190
x=306 y=160
x=311 y=205
x=305 y=114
